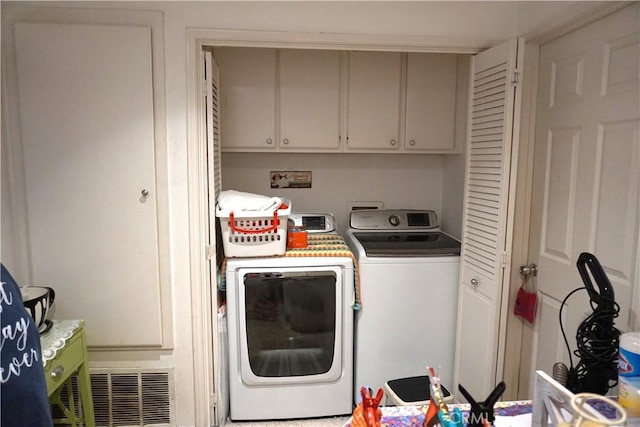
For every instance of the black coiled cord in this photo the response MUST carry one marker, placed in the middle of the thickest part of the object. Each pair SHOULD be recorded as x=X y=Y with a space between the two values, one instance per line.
x=597 y=343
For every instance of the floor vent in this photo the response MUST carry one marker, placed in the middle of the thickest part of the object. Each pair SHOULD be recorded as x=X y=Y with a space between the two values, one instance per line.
x=134 y=398
x=128 y=398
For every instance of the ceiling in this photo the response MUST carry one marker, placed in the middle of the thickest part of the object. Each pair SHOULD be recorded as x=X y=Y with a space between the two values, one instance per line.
x=473 y=24
x=490 y=20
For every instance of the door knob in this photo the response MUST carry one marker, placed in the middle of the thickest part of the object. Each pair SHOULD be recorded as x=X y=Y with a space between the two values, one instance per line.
x=531 y=269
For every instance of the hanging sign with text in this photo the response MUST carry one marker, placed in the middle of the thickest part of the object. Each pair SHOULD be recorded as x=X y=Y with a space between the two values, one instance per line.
x=290 y=179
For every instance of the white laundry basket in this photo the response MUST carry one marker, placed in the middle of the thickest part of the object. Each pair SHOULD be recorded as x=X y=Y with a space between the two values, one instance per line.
x=254 y=233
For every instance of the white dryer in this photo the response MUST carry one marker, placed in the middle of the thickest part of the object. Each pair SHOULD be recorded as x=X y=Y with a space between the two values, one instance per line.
x=290 y=326
x=409 y=289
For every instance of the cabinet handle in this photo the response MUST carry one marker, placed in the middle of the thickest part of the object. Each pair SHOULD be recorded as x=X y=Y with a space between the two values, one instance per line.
x=474 y=282
x=393 y=142
x=269 y=141
x=57 y=372
x=285 y=141
x=412 y=142
x=144 y=192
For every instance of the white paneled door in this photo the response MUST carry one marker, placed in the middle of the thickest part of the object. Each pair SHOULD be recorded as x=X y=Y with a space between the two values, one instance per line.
x=586 y=175
x=89 y=149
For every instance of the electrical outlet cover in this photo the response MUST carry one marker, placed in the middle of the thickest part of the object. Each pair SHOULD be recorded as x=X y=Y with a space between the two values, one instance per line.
x=356 y=206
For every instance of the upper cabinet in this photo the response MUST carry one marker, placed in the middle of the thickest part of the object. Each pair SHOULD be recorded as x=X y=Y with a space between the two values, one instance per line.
x=285 y=99
x=298 y=100
x=431 y=102
x=374 y=100
x=309 y=107
x=248 y=98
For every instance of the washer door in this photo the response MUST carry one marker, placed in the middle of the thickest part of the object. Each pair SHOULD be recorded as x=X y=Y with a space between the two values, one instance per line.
x=290 y=325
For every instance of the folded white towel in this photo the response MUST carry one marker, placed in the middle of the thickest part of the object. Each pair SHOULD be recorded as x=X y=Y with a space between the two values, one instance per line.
x=231 y=200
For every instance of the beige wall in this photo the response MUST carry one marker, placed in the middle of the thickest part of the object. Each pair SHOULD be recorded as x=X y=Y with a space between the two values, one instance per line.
x=7 y=249
x=399 y=181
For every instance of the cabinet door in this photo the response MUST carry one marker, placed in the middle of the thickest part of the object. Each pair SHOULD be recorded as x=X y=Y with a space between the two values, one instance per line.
x=89 y=151
x=248 y=93
x=309 y=99
x=431 y=101
x=374 y=100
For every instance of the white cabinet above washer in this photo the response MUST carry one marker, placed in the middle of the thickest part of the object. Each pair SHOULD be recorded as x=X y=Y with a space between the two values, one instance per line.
x=431 y=101
x=403 y=103
x=322 y=101
x=373 y=114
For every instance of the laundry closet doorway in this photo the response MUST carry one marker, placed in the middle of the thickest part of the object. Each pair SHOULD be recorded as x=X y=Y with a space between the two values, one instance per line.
x=205 y=301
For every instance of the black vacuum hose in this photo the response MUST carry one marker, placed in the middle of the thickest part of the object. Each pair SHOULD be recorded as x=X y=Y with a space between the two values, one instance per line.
x=597 y=339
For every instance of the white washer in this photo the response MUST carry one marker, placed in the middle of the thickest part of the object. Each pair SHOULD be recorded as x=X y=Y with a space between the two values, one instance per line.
x=409 y=291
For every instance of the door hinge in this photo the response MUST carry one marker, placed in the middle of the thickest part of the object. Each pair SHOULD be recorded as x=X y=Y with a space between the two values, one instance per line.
x=214 y=412
x=504 y=259
x=515 y=79
x=210 y=251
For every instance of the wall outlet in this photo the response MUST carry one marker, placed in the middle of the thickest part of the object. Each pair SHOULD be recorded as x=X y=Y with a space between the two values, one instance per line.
x=356 y=206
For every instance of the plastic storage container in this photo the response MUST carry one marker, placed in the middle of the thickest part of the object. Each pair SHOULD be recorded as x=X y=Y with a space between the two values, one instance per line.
x=296 y=238
x=629 y=373
x=254 y=233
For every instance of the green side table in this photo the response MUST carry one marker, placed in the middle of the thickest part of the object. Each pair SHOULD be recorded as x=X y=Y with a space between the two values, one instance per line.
x=64 y=355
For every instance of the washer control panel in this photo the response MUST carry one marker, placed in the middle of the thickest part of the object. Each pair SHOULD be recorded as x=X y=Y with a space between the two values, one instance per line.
x=393 y=219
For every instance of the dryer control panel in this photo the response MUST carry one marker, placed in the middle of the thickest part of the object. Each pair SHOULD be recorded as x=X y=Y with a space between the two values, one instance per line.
x=394 y=219
x=313 y=222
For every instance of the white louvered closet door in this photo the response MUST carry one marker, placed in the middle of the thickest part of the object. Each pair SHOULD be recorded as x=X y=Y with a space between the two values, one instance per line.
x=214 y=163
x=488 y=208
x=214 y=244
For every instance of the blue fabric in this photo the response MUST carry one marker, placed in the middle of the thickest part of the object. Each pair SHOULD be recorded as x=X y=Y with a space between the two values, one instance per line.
x=23 y=389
